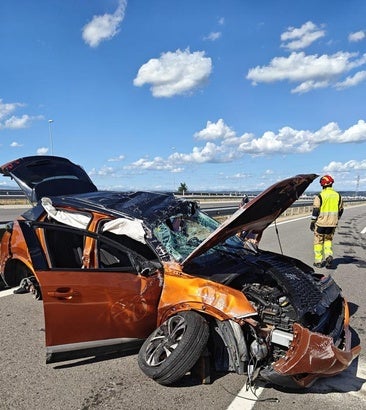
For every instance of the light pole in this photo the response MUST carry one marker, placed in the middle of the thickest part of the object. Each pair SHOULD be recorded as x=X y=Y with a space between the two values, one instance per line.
x=50 y=132
x=174 y=187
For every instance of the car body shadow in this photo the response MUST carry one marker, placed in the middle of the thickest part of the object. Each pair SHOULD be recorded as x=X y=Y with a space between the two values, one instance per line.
x=96 y=359
x=345 y=382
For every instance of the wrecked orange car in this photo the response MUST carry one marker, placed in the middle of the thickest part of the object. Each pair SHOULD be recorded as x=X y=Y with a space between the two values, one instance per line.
x=117 y=270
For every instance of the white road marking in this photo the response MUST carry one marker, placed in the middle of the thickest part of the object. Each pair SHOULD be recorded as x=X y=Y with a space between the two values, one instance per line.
x=246 y=399
x=363 y=230
x=6 y=292
x=289 y=220
x=350 y=381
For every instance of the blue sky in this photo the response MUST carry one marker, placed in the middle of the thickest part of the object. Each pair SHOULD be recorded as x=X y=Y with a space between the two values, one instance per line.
x=218 y=94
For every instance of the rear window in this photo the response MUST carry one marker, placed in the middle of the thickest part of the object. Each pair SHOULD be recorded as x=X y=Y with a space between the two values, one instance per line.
x=48 y=170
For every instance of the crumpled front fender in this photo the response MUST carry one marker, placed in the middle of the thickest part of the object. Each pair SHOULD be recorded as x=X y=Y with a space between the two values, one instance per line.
x=185 y=292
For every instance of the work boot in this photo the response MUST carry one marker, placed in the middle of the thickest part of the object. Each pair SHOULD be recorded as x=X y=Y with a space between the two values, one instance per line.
x=329 y=262
x=318 y=264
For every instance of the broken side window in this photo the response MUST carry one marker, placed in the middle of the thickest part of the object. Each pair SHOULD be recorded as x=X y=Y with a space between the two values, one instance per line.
x=112 y=257
x=126 y=256
x=65 y=247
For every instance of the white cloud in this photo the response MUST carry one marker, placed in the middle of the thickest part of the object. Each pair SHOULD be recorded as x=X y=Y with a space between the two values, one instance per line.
x=311 y=71
x=7 y=108
x=177 y=170
x=239 y=175
x=17 y=122
x=117 y=159
x=104 y=171
x=15 y=144
x=355 y=133
x=289 y=140
x=8 y=121
x=213 y=36
x=310 y=85
x=158 y=163
x=300 y=38
x=352 y=81
x=175 y=73
x=42 y=151
x=209 y=153
x=357 y=36
x=104 y=27
x=351 y=165
x=218 y=130
x=286 y=141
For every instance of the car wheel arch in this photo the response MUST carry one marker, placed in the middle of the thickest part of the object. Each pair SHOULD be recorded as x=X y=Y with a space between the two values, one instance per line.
x=15 y=270
x=209 y=312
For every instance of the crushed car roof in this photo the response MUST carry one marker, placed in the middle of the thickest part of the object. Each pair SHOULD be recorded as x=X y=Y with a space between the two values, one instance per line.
x=147 y=206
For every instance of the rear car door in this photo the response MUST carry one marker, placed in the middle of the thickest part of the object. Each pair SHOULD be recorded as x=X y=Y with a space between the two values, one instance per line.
x=107 y=307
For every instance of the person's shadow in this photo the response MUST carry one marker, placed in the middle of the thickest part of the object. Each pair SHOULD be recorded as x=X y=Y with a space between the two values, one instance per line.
x=347 y=260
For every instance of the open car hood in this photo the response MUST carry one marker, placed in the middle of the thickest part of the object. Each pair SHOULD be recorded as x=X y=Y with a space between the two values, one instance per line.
x=258 y=213
x=43 y=175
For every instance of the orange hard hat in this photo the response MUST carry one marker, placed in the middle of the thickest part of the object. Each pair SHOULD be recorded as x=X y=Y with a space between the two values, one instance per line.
x=326 y=180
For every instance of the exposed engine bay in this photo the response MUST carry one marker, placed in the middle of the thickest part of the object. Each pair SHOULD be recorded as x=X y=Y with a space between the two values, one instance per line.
x=272 y=305
x=283 y=293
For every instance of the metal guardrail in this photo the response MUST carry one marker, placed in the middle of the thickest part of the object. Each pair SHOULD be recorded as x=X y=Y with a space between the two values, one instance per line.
x=300 y=207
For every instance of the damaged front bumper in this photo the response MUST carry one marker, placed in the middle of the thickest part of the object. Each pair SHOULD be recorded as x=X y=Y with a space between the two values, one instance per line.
x=310 y=355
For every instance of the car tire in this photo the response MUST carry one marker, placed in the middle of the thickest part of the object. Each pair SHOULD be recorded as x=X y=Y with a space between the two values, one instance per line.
x=174 y=347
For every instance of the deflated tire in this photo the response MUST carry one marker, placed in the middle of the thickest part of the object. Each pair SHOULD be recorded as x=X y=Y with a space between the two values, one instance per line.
x=174 y=347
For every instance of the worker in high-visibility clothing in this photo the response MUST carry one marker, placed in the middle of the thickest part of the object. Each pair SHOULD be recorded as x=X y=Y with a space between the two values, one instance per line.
x=327 y=210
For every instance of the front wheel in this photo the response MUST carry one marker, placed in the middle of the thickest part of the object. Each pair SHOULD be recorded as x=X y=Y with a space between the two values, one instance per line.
x=174 y=347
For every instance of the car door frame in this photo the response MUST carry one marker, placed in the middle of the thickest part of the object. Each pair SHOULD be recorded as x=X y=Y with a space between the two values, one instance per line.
x=92 y=311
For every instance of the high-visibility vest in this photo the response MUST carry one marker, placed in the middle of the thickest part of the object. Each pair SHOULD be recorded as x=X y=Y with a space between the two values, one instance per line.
x=330 y=206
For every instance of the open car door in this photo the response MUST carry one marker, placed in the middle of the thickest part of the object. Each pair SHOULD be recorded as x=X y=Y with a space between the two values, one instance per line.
x=89 y=311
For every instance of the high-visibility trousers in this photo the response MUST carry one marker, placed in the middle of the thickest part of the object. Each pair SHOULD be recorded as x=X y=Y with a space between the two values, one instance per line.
x=323 y=244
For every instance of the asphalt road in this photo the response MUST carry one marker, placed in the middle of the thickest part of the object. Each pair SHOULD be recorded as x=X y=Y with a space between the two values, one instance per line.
x=347 y=390
x=26 y=382
x=8 y=213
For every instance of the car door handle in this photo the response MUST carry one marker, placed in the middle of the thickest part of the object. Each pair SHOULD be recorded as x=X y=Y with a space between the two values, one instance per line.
x=63 y=293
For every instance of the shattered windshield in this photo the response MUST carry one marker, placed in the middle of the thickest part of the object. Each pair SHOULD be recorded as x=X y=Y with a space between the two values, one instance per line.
x=181 y=234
